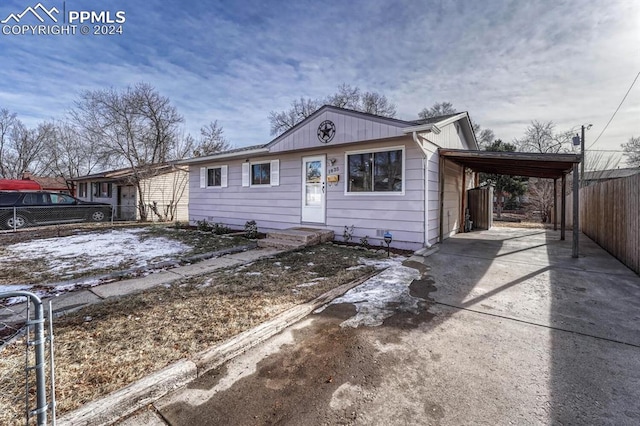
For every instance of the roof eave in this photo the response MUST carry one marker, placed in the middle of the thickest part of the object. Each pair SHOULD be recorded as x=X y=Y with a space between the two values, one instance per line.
x=223 y=156
x=431 y=127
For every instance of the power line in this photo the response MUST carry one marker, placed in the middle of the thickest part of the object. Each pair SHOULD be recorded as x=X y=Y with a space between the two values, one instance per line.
x=616 y=111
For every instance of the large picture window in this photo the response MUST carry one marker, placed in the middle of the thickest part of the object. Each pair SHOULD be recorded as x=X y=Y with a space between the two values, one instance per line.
x=377 y=171
x=261 y=174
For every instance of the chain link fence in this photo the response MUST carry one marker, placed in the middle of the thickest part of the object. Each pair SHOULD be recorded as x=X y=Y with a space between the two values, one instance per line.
x=26 y=361
x=15 y=218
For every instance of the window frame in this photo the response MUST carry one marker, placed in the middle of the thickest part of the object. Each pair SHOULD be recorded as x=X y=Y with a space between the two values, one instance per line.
x=207 y=177
x=98 y=193
x=82 y=189
x=373 y=192
x=259 y=185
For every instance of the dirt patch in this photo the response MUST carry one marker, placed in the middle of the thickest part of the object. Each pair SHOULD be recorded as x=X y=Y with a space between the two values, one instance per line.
x=329 y=364
x=328 y=375
x=106 y=346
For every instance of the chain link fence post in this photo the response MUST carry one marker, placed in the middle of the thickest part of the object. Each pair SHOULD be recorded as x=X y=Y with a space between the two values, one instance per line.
x=25 y=320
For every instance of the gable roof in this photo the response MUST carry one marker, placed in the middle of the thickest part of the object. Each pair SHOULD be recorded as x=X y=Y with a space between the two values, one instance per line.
x=325 y=108
x=420 y=124
x=597 y=175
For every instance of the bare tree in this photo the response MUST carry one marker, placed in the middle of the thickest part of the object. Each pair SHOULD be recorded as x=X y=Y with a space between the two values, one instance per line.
x=212 y=140
x=485 y=137
x=346 y=97
x=136 y=128
x=438 y=109
x=71 y=154
x=377 y=104
x=21 y=148
x=8 y=121
x=541 y=137
x=541 y=197
x=632 y=151
x=300 y=109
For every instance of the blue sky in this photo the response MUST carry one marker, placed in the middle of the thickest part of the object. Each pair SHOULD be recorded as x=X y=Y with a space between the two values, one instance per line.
x=506 y=62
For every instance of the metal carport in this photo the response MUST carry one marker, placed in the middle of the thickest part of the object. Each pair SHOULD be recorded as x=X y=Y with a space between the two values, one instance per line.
x=546 y=166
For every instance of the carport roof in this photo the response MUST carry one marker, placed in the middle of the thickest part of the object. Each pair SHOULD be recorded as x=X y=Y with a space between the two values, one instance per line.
x=513 y=163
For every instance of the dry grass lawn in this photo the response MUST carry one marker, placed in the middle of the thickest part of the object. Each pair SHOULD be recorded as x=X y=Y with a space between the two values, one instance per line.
x=104 y=347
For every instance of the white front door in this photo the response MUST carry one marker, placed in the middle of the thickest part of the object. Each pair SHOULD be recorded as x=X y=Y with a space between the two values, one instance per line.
x=313 y=189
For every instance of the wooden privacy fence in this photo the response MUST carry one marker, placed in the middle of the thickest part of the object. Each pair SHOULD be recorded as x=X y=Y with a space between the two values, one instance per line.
x=610 y=215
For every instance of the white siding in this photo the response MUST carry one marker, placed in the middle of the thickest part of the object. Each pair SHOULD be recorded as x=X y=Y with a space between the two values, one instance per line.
x=452 y=198
x=451 y=136
x=433 y=196
x=170 y=192
x=350 y=127
x=280 y=207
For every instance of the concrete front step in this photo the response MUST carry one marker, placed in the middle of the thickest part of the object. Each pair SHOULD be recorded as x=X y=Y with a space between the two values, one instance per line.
x=296 y=237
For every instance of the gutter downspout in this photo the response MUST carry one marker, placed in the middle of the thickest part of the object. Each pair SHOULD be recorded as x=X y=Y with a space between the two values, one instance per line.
x=426 y=191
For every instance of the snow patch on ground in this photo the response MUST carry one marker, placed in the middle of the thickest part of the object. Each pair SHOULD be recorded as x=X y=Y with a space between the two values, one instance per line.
x=83 y=253
x=382 y=296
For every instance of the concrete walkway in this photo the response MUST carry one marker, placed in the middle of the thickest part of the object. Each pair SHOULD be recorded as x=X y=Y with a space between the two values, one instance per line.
x=509 y=330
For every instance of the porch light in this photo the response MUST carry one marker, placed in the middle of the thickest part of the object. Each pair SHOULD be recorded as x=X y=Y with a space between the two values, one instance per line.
x=387 y=239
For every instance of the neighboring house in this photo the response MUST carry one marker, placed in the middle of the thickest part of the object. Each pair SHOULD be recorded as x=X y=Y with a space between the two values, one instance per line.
x=165 y=190
x=342 y=168
x=53 y=184
x=597 y=176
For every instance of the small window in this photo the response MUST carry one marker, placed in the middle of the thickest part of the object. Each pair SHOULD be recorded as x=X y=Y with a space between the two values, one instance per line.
x=82 y=189
x=214 y=176
x=261 y=174
x=379 y=171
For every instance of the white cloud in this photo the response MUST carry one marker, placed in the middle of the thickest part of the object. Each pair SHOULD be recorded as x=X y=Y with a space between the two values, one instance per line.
x=506 y=62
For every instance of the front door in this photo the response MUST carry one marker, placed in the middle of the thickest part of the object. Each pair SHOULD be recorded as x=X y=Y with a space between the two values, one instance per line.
x=127 y=202
x=313 y=189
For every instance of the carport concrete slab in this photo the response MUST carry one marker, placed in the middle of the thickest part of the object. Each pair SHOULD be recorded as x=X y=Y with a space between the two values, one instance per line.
x=469 y=368
x=530 y=276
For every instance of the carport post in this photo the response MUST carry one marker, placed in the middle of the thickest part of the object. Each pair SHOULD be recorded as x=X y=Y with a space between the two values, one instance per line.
x=563 y=207
x=555 y=204
x=576 y=208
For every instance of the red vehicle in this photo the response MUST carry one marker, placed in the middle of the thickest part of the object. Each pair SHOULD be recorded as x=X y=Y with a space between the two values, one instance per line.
x=19 y=185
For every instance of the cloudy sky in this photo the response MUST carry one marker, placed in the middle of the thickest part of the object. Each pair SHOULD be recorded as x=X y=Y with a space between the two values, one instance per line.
x=506 y=62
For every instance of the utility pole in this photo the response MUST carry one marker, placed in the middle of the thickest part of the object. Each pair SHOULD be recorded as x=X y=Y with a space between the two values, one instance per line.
x=582 y=158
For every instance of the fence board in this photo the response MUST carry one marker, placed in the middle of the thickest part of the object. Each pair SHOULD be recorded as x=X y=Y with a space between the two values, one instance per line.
x=610 y=215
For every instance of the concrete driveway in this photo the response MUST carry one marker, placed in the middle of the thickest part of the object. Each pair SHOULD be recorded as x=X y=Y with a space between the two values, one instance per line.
x=507 y=329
